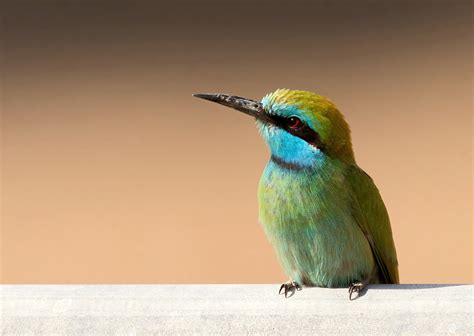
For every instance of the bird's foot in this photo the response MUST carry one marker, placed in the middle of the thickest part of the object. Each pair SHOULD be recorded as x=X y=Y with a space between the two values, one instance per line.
x=289 y=288
x=356 y=288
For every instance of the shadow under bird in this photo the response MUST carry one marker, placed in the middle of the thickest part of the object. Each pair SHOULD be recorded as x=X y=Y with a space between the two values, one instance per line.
x=322 y=213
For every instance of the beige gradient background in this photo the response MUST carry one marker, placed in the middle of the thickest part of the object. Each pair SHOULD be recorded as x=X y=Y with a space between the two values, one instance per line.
x=113 y=173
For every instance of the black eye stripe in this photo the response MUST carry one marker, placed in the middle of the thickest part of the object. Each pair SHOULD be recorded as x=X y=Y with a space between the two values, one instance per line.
x=304 y=131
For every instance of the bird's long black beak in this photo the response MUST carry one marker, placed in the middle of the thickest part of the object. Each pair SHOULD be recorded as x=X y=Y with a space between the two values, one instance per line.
x=247 y=106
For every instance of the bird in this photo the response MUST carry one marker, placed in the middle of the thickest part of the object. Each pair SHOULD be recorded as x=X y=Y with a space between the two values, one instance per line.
x=323 y=215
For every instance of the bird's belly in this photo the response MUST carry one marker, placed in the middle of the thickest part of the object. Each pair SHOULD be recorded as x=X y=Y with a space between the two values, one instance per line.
x=326 y=258
x=316 y=239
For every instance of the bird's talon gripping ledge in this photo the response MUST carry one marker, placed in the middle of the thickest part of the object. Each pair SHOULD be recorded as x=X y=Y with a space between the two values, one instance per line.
x=289 y=288
x=356 y=288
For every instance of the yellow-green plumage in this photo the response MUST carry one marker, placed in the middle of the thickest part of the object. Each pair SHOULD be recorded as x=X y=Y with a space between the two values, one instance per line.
x=323 y=214
x=327 y=222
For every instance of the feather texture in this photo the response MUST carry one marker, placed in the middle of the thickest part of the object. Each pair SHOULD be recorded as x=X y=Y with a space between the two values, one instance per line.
x=371 y=215
x=323 y=214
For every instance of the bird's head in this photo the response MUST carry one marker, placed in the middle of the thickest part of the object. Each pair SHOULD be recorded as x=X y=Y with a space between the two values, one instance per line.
x=301 y=128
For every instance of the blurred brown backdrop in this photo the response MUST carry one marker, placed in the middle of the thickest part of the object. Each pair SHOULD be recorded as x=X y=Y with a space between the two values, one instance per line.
x=113 y=173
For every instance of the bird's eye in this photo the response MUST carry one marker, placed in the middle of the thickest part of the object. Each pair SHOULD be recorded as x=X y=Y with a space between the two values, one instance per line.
x=294 y=122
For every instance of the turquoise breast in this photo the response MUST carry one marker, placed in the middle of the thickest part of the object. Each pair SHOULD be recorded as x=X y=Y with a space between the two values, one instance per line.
x=306 y=214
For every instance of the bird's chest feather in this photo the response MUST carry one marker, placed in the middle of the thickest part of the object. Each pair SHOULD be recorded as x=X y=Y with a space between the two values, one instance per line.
x=307 y=217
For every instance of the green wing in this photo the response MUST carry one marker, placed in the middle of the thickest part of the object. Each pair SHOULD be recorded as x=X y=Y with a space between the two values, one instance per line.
x=372 y=217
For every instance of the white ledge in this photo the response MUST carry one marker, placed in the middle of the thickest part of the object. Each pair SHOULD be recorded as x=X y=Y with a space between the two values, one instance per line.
x=225 y=309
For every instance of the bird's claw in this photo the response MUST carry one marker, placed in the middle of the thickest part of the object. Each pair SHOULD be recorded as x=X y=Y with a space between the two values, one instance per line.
x=355 y=288
x=289 y=288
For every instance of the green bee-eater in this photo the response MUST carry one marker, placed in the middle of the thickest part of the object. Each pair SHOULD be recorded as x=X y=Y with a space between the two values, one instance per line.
x=322 y=213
